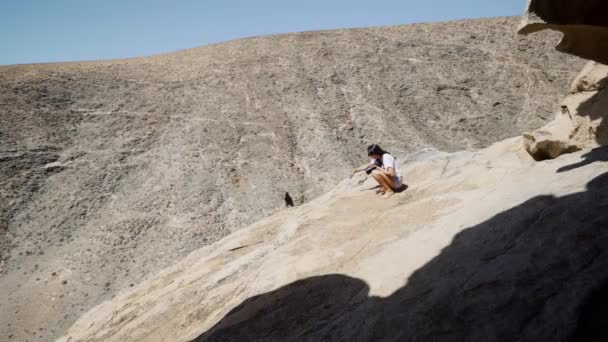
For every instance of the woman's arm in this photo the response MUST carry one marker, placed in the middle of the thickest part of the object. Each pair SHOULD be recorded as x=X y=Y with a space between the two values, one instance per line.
x=390 y=171
x=363 y=168
x=389 y=163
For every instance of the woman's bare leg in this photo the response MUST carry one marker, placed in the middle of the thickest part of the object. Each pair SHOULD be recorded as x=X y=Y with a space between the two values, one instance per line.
x=386 y=183
x=382 y=180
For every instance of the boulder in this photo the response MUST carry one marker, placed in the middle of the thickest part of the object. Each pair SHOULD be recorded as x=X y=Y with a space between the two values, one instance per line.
x=593 y=77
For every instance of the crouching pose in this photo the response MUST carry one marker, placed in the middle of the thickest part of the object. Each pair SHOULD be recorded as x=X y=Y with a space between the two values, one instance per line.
x=385 y=170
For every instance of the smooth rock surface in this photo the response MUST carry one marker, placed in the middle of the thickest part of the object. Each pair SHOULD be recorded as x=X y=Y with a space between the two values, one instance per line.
x=482 y=246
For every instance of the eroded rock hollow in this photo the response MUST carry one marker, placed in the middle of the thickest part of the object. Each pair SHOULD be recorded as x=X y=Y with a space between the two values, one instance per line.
x=584 y=24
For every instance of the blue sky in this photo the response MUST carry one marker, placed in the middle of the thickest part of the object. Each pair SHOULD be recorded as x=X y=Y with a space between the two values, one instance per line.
x=71 y=30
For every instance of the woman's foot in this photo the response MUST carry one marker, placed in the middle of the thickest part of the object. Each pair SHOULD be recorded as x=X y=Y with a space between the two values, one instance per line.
x=380 y=191
x=388 y=194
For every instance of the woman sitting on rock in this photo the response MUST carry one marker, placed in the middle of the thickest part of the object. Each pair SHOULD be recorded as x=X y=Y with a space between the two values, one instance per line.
x=385 y=170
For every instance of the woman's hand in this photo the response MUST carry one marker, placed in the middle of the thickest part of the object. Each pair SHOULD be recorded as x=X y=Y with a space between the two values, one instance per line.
x=363 y=168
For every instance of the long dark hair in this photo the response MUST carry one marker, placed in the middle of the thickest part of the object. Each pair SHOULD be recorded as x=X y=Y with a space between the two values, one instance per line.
x=375 y=149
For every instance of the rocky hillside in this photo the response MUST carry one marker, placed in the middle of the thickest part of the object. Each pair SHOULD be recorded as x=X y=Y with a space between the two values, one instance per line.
x=112 y=170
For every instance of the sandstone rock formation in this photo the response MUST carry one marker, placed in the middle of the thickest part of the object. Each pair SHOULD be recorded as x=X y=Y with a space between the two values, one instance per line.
x=112 y=170
x=483 y=246
x=582 y=121
x=584 y=24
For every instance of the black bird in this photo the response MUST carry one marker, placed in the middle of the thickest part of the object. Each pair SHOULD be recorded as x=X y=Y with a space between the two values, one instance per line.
x=288 y=200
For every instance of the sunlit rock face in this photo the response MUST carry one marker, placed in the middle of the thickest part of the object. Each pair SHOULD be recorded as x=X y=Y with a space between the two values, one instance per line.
x=482 y=246
x=581 y=122
x=584 y=24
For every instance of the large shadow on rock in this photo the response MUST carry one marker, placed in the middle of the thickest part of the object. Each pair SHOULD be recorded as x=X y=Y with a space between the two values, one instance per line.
x=294 y=311
x=594 y=316
x=535 y=272
x=599 y=154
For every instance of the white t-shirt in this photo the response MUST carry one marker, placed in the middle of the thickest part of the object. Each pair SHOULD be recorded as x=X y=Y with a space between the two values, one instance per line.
x=390 y=161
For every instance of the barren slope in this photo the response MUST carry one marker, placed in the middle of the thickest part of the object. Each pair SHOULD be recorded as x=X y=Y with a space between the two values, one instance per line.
x=112 y=170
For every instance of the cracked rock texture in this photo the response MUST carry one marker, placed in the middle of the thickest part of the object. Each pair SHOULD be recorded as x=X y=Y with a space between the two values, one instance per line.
x=113 y=170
